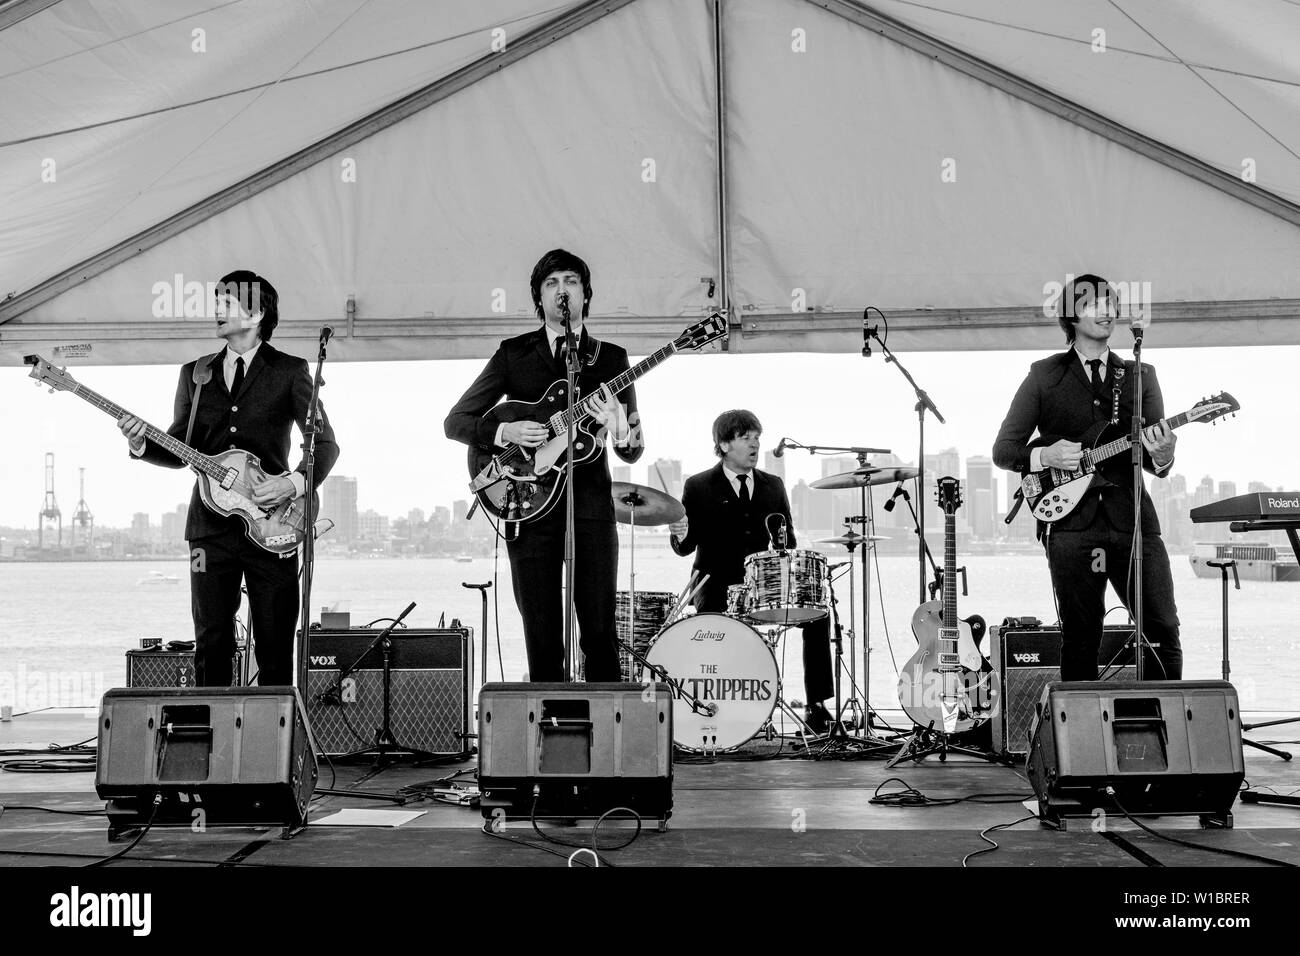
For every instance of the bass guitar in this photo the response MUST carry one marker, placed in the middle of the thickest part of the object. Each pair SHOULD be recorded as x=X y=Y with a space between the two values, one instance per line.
x=1053 y=493
x=947 y=685
x=518 y=484
x=225 y=480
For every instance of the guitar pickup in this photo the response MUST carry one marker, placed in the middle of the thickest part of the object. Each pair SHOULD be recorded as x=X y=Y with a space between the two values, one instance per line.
x=1032 y=486
x=275 y=540
x=949 y=660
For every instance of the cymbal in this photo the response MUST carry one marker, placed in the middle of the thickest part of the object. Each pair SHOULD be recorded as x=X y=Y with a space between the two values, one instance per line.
x=853 y=538
x=650 y=505
x=864 y=477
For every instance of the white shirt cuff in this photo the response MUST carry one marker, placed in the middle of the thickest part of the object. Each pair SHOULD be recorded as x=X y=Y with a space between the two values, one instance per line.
x=299 y=483
x=1036 y=459
x=497 y=439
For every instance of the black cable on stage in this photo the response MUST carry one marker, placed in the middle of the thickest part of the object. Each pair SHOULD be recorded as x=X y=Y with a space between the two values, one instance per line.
x=911 y=798
x=1240 y=854
x=594 y=848
x=72 y=813
x=487 y=828
x=992 y=844
x=157 y=802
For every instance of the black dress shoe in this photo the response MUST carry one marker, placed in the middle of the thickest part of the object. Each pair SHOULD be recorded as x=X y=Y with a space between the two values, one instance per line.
x=818 y=718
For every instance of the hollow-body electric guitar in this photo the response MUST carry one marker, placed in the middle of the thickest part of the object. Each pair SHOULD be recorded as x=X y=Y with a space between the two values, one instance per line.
x=225 y=480
x=518 y=484
x=947 y=685
x=1053 y=493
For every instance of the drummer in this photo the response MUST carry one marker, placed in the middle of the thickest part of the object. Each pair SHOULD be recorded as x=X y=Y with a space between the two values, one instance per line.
x=734 y=510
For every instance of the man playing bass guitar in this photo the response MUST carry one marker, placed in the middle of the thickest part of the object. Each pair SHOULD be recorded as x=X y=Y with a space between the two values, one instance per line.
x=521 y=370
x=1067 y=399
x=255 y=395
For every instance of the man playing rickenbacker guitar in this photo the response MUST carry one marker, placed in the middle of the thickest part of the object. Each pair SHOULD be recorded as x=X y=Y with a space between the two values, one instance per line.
x=253 y=398
x=1068 y=399
x=521 y=370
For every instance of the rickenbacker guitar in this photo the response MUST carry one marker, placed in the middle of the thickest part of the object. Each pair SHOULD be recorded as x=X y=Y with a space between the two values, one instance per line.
x=1053 y=493
x=225 y=480
x=518 y=484
x=947 y=685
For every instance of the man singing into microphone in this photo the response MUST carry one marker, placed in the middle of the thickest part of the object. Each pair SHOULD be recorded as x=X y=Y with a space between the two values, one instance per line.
x=727 y=512
x=252 y=396
x=521 y=370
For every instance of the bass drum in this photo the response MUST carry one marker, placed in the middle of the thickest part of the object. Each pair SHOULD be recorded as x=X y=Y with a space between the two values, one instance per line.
x=730 y=668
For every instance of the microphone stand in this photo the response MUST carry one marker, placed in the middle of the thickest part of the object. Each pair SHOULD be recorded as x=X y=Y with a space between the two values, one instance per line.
x=571 y=373
x=922 y=403
x=1135 y=436
x=309 y=433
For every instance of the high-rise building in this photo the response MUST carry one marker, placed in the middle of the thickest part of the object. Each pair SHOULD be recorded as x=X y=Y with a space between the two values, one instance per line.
x=140 y=526
x=666 y=475
x=339 y=504
x=1204 y=493
x=799 y=505
x=979 y=477
x=944 y=463
x=1257 y=488
x=838 y=504
x=1177 y=486
x=1227 y=489
x=173 y=525
x=372 y=526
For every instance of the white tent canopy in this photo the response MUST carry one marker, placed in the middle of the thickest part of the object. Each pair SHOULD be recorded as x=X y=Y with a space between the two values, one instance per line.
x=396 y=167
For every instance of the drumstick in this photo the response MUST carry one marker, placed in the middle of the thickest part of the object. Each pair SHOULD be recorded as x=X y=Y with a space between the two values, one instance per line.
x=681 y=599
x=698 y=588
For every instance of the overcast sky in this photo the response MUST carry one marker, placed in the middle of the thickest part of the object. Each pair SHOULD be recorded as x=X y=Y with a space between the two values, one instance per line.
x=388 y=419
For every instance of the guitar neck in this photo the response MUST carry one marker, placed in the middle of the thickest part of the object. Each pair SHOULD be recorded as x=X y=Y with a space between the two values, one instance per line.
x=159 y=437
x=1112 y=448
x=950 y=572
x=622 y=381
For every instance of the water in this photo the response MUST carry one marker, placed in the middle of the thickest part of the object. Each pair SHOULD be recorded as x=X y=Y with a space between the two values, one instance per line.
x=65 y=627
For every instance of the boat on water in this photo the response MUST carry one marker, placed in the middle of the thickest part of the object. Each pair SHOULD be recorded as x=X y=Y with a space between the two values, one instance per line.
x=464 y=559
x=156 y=578
x=1256 y=560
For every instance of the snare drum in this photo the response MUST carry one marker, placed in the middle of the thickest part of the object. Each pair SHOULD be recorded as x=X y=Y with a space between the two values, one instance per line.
x=726 y=665
x=786 y=587
x=738 y=601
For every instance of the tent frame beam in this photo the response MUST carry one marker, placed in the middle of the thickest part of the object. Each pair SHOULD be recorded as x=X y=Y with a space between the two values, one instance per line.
x=19 y=10
x=395 y=112
x=1023 y=89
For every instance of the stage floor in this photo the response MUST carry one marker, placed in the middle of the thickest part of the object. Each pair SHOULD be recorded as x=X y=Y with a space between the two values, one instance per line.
x=726 y=812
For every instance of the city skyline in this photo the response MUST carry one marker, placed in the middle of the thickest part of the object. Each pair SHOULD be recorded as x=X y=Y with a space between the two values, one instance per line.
x=833 y=399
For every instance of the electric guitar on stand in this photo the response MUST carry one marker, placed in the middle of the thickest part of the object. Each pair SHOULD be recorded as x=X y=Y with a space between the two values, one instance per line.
x=518 y=484
x=225 y=480
x=946 y=686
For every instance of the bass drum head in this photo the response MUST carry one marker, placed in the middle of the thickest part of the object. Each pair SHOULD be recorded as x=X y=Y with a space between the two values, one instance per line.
x=725 y=663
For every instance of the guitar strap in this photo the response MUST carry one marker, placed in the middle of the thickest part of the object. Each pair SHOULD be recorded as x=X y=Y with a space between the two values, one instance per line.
x=202 y=375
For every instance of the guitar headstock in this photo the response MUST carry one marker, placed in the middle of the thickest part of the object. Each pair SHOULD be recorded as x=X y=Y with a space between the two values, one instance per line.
x=1216 y=406
x=702 y=333
x=47 y=374
x=948 y=493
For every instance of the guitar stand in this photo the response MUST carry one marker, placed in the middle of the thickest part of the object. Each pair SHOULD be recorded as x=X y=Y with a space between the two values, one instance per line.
x=927 y=740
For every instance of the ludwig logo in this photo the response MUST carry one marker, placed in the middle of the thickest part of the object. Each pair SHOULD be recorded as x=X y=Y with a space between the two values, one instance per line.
x=325 y=660
x=1026 y=658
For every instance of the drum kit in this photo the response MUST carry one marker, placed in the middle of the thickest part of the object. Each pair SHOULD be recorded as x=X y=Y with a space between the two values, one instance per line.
x=722 y=667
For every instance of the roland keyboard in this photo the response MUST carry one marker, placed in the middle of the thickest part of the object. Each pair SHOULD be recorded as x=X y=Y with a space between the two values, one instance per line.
x=1259 y=511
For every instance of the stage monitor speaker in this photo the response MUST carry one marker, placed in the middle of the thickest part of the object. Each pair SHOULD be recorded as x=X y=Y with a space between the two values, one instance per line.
x=576 y=750
x=429 y=708
x=1170 y=748
x=210 y=757
x=1028 y=658
x=156 y=667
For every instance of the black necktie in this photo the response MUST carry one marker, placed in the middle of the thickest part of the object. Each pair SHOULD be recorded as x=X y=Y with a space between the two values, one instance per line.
x=559 y=351
x=744 y=488
x=239 y=377
x=1098 y=383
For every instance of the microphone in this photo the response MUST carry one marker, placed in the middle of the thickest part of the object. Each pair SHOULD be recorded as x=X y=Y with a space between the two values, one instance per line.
x=867 y=332
x=780 y=449
x=562 y=301
x=889 y=505
x=326 y=333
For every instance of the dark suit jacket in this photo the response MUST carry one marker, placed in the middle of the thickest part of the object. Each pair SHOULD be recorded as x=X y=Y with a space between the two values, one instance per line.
x=1056 y=401
x=521 y=370
x=275 y=393
x=718 y=534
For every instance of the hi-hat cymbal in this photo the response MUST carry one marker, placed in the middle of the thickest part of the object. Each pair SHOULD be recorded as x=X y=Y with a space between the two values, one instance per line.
x=649 y=505
x=853 y=538
x=864 y=477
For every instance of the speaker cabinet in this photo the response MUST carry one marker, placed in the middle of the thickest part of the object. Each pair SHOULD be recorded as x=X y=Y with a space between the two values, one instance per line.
x=576 y=750
x=209 y=757
x=429 y=693
x=1171 y=748
x=159 y=668
x=1028 y=658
